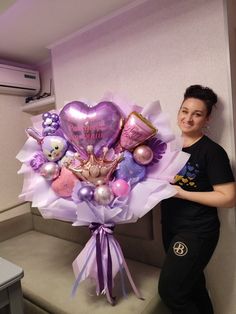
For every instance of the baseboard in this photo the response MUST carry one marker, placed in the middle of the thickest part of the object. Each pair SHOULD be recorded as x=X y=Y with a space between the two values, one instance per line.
x=14 y=226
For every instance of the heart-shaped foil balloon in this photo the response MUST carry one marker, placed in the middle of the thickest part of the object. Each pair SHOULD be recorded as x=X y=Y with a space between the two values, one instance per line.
x=98 y=126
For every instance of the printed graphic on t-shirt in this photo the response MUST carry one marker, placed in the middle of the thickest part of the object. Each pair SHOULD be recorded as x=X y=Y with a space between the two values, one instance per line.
x=186 y=177
x=180 y=248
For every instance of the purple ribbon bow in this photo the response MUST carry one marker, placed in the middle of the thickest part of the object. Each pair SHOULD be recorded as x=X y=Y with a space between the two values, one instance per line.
x=101 y=231
x=103 y=236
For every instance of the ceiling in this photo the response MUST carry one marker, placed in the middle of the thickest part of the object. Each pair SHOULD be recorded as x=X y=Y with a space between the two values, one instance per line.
x=28 y=27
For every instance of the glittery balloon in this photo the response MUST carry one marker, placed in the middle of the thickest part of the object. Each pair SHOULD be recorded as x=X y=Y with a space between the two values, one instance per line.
x=50 y=170
x=143 y=155
x=103 y=195
x=120 y=187
x=86 y=193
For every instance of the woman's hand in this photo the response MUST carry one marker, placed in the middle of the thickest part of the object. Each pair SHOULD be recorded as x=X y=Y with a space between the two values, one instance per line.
x=179 y=191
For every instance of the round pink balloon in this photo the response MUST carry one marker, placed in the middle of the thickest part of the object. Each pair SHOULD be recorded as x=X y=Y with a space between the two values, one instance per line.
x=143 y=155
x=98 y=126
x=120 y=187
x=50 y=170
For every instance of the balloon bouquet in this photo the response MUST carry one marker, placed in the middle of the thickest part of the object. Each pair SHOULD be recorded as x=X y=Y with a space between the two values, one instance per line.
x=100 y=166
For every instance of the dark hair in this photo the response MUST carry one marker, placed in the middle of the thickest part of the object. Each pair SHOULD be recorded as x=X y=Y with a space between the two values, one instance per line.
x=203 y=93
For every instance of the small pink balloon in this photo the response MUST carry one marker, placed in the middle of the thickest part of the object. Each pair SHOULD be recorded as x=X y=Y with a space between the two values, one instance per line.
x=120 y=187
x=143 y=155
x=50 y=170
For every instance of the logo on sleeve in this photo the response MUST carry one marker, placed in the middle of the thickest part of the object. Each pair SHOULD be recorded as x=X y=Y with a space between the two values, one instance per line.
x=180 y=249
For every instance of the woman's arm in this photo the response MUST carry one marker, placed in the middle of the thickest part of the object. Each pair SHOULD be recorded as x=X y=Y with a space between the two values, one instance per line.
x=223 y=195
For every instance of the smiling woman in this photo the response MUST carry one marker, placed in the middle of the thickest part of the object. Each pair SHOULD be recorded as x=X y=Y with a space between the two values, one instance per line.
x=192 y=118
x=195 y=112
x=190 y=225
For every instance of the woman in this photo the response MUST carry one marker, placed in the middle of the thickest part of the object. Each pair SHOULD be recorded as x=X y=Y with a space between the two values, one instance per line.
x=190 y=225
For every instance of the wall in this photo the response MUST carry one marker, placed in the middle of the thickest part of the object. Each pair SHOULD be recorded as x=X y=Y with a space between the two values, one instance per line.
x=12 y=137
x=46 y=80
x=154 y=52
x=231 y=11
x=223 y=283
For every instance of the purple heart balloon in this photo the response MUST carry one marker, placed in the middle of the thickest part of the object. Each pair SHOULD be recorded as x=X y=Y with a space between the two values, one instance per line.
x=98 y=126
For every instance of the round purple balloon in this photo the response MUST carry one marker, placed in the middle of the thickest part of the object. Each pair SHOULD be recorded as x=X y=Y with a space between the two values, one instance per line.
x=86 y=193
x=49 y=130
x=55 y=117
x=46 y=115
x=98 y=126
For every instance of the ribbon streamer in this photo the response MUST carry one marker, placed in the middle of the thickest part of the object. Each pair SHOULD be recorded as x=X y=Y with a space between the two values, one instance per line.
x=102 y=233
x=103 y=242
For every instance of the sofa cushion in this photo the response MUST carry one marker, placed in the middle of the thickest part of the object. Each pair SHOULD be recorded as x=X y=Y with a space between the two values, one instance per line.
x=48 y=279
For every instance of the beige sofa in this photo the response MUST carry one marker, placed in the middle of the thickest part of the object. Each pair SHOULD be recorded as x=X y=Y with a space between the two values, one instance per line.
x=45 y=249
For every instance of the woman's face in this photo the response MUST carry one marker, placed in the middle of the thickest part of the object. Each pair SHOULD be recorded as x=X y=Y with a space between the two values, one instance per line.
x=192 y=117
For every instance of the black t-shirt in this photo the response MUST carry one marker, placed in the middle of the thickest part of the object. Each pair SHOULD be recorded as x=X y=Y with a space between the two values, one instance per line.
x=208 y=165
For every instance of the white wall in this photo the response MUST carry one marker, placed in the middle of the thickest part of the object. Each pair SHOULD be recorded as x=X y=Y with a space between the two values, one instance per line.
x=12 y=138
x=13 y=123
x=46 y=79
x=154 y=52
x=231 y=11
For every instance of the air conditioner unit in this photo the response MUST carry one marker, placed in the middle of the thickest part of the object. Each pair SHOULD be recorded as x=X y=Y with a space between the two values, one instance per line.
x=18 y=81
